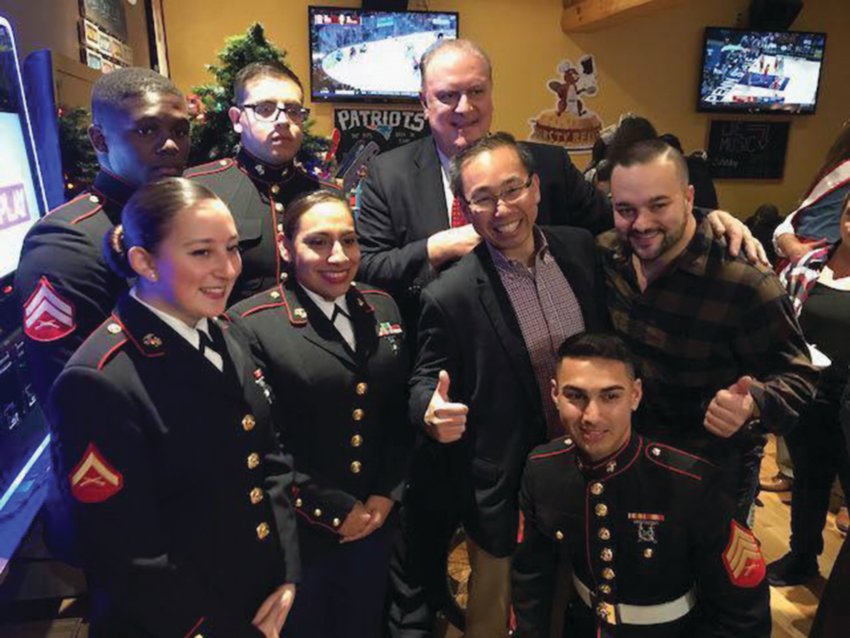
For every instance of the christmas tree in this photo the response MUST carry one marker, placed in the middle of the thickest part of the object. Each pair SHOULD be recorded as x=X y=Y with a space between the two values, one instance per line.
x=213 y=136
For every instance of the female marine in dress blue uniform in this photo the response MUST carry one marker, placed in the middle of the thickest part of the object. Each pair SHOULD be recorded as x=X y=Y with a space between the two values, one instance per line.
x=334 y=355
x=178 y=484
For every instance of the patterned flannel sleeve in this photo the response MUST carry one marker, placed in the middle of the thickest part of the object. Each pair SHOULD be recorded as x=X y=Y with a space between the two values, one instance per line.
x=770 y=343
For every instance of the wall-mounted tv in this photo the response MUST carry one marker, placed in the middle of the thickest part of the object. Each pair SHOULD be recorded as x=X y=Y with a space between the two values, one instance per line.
x=760 y=71
x=371 y=56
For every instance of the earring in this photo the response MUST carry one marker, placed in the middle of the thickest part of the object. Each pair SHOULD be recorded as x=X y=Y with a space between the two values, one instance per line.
x=152 y=275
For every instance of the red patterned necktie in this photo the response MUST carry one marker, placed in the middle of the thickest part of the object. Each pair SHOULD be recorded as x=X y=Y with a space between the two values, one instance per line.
x=458 y=218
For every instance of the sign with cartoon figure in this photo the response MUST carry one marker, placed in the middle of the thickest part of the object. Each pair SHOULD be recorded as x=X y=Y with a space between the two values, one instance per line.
x=570 y=124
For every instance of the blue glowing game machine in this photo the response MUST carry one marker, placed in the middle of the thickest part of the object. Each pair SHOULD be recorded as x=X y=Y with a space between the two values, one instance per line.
x=24 y=436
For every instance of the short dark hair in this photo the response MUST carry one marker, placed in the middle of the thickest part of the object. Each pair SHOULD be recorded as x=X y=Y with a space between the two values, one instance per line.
x=147 y=219
x=299 y=206
x=453 y=44
x=112 y=89
x=647 y=151
x=255 y=70
x=597 y=345
x=487 y=143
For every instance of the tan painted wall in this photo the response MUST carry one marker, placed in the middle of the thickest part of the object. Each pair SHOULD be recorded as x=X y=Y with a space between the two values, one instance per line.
x=647 y=65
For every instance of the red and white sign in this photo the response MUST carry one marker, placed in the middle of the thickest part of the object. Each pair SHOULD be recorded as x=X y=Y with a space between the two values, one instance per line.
x=94 y=480
x=48 y=317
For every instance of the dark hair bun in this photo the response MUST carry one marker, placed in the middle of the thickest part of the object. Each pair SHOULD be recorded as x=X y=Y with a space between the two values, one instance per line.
x=115 y=253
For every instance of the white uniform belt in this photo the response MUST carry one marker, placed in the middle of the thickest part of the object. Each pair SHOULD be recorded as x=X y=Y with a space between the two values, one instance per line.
x=645 y=614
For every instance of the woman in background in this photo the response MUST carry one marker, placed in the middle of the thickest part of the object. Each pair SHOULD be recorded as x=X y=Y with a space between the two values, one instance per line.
x=334 y=354
x=177 y=482
x=819 y=285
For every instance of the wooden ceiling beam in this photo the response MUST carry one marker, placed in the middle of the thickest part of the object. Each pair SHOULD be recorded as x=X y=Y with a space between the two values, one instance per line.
x=590 y=15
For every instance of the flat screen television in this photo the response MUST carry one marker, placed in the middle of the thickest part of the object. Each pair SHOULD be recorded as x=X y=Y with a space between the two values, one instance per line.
x=371 y=56
x=760 y=71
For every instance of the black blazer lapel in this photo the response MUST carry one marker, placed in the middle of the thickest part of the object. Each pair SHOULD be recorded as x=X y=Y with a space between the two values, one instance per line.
x=428 y=188
x=498 y=307
x=363 y=321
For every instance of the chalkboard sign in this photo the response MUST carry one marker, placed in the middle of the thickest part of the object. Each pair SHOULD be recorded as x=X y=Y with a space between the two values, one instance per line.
x=109 y=15
x=747 y=149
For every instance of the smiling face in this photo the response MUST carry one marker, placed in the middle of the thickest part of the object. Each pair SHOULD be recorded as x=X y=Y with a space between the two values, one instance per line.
x=595 y=399
x=323 y=251
x=145 y=140
x=508 y=228
x=196 y=264
x=277 y=142
x=457 y=96
x=653 y=209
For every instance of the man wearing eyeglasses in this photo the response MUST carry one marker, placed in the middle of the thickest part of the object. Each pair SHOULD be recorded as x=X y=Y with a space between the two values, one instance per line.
x=265 y=175
x=489 y=333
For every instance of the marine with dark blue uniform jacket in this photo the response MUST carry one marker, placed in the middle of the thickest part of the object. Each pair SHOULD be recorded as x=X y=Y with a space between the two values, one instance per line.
x=334 y=355
x=652 y=543
x=177 y=484
x=140 y=133
x=260 y=182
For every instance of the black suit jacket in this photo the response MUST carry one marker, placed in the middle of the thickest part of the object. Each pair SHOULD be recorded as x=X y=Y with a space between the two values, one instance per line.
x=183 y=522
x=345 y=412
x=403 y=203
x=468 y=328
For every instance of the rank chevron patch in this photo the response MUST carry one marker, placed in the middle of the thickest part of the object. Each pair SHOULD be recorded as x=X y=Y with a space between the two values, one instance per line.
x=742 y=557
x=48 y=317
x=94 y=480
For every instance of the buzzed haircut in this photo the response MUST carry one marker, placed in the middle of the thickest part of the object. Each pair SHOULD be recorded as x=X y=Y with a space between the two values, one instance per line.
x=597 y=345
x=456 y=44
x=256 y=70
x=487 y=143
x=648 y=151
x=111 y=89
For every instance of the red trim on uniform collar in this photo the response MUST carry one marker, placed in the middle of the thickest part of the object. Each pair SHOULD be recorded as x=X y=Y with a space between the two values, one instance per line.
x=623 y=459
x=133 y=339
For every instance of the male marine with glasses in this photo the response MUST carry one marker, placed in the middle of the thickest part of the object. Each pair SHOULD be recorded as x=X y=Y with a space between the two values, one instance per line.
x=264 y=176
x=489 y=333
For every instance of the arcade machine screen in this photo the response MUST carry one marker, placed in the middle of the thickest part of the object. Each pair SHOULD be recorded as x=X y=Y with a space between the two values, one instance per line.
x=760 y=71
x=371 y=56
x=24 y=436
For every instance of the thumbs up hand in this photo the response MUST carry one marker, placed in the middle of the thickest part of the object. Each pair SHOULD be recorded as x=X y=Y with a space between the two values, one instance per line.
x=730 y=409
x=445 y=421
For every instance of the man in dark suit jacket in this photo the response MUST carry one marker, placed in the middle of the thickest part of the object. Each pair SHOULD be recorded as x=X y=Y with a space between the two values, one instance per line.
x=406 y=227
x=489 y=331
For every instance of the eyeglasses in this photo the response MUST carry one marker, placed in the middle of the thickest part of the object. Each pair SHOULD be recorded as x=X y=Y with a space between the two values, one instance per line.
x=269 y=111
x=488 y=203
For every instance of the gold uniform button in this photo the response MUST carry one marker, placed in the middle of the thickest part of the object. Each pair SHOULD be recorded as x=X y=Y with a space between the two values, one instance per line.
x=604 y=533
x=358 y=414
x=253 y=460
x=602 y=611
x=606 y=554
x=559 y=535
x=356 y=440
x=248 y=422
x=655 y=451
x=275 y=189
x=317 y=512
x=336 y=522
x=605 y=589
x=597 y=488
x=608 y=573
x=256 y=495
x=298 y=502
x=361 y=388
x=647 y=553
x=94 y=199
x=262 y=530
x=356 y=466
x=601 y=509
x=113 y=328
x=278 y=207
x=568 y=442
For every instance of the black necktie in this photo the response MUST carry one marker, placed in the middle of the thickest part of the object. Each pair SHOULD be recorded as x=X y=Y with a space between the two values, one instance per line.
x=339 y=311
x=206 y=343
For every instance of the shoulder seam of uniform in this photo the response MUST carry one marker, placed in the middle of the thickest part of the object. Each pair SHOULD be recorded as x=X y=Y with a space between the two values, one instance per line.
x=677 y=470
x=109 y=353
x=68 y=203
x=375 y=291
x=85 y=216
x=266 y=306
x=215 y=166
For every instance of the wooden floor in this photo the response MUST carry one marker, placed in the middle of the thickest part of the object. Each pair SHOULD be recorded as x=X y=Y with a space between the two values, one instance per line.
x=793 y=608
